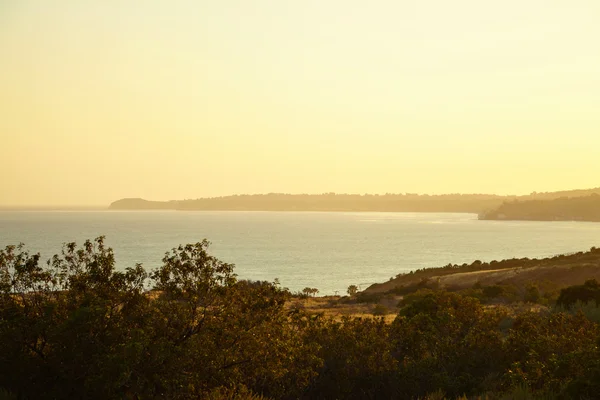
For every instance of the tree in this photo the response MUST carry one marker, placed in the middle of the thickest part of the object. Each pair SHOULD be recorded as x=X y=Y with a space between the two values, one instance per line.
x=547 y=351
x=310 y=291
x=445 y=341
x=352 y=290
x=357 y=359
x=70 y=328
x=78 y=328
x=213 y=331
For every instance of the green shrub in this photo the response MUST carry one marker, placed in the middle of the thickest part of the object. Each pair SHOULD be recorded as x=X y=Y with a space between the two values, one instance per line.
x=591 y=310
x=589 y=291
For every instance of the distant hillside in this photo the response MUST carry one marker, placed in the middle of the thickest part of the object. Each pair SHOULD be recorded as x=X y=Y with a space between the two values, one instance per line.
x=562 y=193
x=141 y=204
x=460 y=203
x=585 y=208
x=561 y=270
x=324 y=202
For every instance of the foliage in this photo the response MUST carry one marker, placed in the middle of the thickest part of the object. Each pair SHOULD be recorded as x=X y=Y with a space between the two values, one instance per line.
x=549 y=282
x=591 y=310
x=546 y=351
x=78 y=328
x=352 y=290
x=357 y=359
x=369 y=298
x=310 y=291
x=589 y=291
x=446 y=342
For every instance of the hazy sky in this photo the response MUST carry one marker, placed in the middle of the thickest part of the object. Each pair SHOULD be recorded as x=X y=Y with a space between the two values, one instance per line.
x=101 y=100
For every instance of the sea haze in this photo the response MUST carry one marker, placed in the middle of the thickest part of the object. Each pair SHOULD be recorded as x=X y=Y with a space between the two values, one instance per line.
x=326 y=250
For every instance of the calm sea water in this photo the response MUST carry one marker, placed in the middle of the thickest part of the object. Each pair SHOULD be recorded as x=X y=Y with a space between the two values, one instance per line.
x=329 y=251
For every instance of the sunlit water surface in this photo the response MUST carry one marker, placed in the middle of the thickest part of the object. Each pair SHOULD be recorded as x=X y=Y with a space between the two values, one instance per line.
x=329 y=251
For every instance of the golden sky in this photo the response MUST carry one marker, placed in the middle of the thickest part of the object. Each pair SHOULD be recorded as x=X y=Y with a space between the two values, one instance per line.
x=101 y=100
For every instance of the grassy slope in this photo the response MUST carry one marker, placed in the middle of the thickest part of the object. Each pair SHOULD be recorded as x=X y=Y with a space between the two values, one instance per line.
x=562 y=270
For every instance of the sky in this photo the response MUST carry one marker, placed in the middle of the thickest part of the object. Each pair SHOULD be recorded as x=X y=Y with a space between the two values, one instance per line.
x=101 y=100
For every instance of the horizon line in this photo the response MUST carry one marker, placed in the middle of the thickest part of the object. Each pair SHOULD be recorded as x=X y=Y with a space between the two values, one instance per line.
x=73 y=207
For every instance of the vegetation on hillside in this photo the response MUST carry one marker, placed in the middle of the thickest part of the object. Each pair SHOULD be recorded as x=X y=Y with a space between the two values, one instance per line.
x=77 y=328
x=559 y=271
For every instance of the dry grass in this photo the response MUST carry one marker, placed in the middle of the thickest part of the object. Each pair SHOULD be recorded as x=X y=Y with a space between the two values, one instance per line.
x=332 y=308
x=561 y=275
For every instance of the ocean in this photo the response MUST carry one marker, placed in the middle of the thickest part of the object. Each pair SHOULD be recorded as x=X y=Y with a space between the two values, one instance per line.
x=324 y=250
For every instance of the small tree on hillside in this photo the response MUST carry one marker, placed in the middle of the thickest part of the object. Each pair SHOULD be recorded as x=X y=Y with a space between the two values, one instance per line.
x=352 y=290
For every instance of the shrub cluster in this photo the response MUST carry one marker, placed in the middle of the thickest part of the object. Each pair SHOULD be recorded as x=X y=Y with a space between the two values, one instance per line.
x=78 y=328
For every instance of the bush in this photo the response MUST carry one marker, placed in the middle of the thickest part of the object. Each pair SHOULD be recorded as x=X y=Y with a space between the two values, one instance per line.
x=532 y=294
x=369 y=298
x=79 y=327
x=589 y=291
x=590 y=310
x=380 y=310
